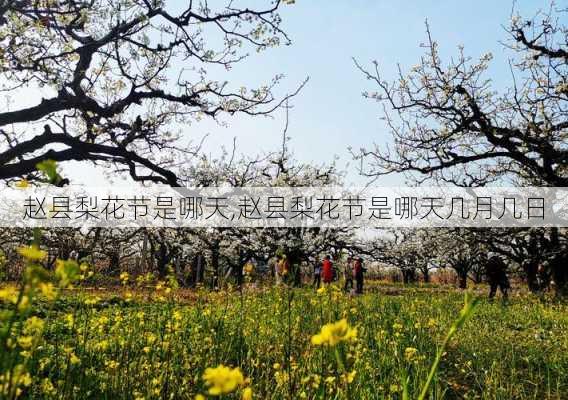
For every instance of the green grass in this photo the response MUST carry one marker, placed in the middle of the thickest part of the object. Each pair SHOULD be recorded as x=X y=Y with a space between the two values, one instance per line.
x=145 y=348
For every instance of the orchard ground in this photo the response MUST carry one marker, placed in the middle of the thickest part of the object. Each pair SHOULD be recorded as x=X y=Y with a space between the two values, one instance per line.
x=154 y=341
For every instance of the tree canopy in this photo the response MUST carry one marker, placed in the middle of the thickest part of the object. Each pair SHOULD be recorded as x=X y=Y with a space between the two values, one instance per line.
x=119 y=79
x=450 y=124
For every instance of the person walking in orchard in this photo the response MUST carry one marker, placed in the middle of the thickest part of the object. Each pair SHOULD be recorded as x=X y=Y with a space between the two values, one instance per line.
x=497 y=276
x=358 y=271
x=278 y=269
x=348 y=274
x=284 y=269
x=317 y=273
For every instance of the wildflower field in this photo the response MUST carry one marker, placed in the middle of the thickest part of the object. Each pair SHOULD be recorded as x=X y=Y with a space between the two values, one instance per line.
x=149 y=340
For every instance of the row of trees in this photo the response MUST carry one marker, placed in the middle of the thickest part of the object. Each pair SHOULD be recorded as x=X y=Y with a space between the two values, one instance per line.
x=465 y=251
x=209 y=255
x=195 y=255
x=189 y=251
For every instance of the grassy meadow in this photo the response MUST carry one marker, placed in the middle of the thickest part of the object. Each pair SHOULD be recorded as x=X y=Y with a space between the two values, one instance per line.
x=152 y=340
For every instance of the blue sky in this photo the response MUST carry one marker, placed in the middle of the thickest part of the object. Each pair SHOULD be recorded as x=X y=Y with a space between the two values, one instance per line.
x=330 y=114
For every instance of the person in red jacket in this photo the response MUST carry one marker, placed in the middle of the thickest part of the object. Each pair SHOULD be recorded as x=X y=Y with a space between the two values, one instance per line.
x=358 y=274
x=327 y=270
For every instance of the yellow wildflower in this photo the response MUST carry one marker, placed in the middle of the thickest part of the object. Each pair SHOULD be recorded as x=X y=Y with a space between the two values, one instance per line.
x=73 y=359
x=92 y=300
x=24 y=303
x=282 y=378
x=223 y=380
x=9 y=294
x=69 y=321
x=47 y=387
x=348 y=377
x=333 y=333
x=409 y=353
x=48 y=290
x=247 y=394
x=32 y=253
x=25 y=342
x=112 y=364
x=124 y=277
x=33 y=326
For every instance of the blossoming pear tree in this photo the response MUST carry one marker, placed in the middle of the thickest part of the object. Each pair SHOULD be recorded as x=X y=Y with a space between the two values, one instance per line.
x=451 y=125
x=119 y=83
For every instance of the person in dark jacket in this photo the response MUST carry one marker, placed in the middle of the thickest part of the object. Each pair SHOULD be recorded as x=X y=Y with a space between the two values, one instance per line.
x=497 y=276
x=317 y=273
x=358 y=271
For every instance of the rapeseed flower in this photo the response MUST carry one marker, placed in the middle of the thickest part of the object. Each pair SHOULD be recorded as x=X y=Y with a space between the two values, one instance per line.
x=9 y=294
x=334 y=333
x=32 y=253
x=222 y=379
x=73 y=359
x=47 y=387
x=33 y=326
x=348 y=377
x=25 y=342
x=48 y=290
x=247 y=394
x=124 y=277
x=410 y=353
